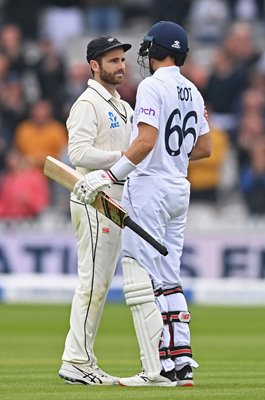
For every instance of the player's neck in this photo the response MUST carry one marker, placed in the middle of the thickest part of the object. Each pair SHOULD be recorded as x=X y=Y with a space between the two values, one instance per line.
x=167 y=62
x=108 y=86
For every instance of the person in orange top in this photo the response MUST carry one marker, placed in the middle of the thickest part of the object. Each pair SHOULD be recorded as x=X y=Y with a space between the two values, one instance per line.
x=24 y=190
x=40 y=135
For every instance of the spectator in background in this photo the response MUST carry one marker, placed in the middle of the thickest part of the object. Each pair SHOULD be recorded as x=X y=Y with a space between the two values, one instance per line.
x=2 y=151
x=208 y=20
x=24 y=190
x=251 y=129
x=13 y=108
x=4 y=69
x=246 y=10
x=12 y=105
x=11 y=44
x=230 y=76
x=252 y=178
x=196 y=73
x=171 y=10
x=50 y=73
x=251 y=124
x=40 y=135
x=24 y=14
x=4 y=132
x=103 y=16
x=253 y=101
x=226 y=83
x=239 y=45
x=61 y=21
x=77 y=75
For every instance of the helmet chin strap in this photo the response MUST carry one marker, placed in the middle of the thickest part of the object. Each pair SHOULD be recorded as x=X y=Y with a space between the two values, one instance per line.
x=145 y=68
x=150 y=68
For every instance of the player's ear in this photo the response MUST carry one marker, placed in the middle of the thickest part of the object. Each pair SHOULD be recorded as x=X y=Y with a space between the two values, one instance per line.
x=94 y=65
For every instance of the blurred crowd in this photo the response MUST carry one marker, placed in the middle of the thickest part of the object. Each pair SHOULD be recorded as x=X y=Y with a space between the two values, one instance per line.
x=38 y=85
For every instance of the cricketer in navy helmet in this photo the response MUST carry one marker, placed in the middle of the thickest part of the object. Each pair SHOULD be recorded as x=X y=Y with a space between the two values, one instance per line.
x=170 y=128
x=99 y=127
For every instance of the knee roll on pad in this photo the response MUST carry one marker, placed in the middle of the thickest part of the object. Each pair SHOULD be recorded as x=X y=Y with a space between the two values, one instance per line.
x=138 y=294
x=148 y=323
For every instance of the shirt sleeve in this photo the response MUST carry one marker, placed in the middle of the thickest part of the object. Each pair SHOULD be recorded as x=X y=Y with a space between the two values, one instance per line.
x=147 y=108
x=82 y=130
x=204 y=126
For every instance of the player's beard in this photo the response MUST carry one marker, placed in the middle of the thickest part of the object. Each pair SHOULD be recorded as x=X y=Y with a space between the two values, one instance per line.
x=111 y=78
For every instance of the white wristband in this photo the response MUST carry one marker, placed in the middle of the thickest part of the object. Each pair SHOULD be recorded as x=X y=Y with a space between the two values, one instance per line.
x=121 y=169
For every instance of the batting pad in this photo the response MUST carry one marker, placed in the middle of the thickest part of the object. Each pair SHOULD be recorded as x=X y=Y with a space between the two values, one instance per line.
x=148 y=323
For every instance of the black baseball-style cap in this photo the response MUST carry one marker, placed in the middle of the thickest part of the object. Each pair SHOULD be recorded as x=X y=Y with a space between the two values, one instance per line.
x=104 y=43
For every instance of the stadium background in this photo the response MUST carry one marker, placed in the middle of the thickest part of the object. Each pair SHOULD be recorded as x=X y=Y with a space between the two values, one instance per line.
x=223 y=262
x=225 y=241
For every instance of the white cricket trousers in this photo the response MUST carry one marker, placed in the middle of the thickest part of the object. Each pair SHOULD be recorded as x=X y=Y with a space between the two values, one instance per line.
x=160 y=206
x=98 y=250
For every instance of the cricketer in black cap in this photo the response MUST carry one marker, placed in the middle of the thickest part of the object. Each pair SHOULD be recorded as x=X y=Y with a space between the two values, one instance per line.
x=102 y=44
x=99 y=128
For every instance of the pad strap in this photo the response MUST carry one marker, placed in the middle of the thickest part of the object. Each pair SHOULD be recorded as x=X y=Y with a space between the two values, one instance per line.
x=158 y=292
x=177 y=289
x=164 y=353
x=169 y=318
x=176 y=316
x=174 y=352
x=167 y=292
x=180 y=351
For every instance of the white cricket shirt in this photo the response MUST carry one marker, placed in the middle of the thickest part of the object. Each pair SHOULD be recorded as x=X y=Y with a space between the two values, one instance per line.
x=99 y=128
x=172 y=104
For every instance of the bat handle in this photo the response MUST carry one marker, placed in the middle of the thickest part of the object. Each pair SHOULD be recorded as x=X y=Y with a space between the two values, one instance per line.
x=145 y=235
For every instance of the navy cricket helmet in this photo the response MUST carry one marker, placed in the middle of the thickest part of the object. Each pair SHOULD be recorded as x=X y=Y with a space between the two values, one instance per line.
x=165 y=38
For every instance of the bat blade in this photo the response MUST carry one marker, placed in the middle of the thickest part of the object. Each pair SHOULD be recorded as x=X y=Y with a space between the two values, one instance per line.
x=61 y=172
x=68 y=177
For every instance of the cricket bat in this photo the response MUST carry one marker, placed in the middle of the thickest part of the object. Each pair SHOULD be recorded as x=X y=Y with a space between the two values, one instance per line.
x=67 y=177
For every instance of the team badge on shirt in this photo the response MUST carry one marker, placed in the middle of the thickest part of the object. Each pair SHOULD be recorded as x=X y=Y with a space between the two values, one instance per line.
x=114 y=123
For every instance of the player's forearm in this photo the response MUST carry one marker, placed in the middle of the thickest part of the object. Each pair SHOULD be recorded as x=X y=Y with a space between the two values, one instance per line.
x=203 y=147
x=138 y=151
x=198 y=154
x=92 y=158
x=131 y=157
x=143 y=143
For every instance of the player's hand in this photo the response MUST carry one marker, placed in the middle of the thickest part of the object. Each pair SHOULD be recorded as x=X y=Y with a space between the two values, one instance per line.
x=87 y=188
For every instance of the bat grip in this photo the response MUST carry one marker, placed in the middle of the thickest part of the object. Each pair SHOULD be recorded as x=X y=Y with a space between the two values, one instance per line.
x=145 y=235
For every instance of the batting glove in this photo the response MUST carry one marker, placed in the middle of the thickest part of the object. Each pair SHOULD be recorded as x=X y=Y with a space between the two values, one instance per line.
x=87 y=188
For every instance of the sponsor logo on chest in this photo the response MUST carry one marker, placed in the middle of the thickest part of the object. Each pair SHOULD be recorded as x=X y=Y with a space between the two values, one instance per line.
x=114 y=123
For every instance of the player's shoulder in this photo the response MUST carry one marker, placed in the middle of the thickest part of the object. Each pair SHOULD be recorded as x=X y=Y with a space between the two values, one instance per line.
x=146 y=81
x=148 y=84
x=87 y=98
x=81 y=103
x=87 y=94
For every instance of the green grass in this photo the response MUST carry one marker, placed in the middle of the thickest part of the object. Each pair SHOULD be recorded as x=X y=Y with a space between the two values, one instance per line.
x=229 y=344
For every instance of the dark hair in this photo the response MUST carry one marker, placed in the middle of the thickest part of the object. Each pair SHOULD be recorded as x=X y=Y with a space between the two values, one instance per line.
x=160 y=53
x=98 y=59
